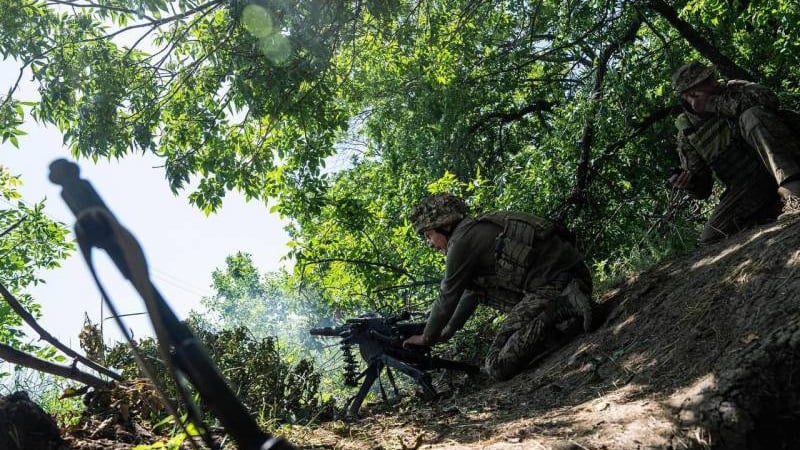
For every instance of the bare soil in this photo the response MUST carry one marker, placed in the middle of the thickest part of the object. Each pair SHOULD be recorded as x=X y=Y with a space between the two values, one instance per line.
x=699 y=352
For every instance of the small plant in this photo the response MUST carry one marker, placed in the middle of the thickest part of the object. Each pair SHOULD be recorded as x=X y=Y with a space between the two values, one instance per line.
x=173 y=443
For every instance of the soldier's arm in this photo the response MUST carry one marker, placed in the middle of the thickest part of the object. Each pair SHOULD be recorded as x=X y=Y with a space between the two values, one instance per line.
x=461 y=262
x=739 y=96
x=466 y=306
x=701 y=180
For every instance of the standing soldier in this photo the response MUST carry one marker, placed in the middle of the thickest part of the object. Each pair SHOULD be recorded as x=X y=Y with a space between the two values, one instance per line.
x=734 y=130
x=516 y=263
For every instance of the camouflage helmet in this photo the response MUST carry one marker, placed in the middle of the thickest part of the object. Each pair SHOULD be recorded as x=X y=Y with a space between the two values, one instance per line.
x=438 y=210
x=690 y=75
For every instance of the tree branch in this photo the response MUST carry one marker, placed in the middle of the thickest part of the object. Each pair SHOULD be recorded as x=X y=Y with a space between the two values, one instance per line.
x=654 y=117
x=579 y=193
x=12 y=227
x=725 y=65
x=13 y=88
x=118 y=9
x=31 y=321
x=510 y=116
x=213 y=4
x=395 y=269
x=14 y=356
x=546 y=51
x=399 y=287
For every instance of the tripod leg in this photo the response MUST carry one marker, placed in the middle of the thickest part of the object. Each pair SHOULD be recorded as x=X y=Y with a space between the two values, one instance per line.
x=383 y=391
x=370 y=375
x=391 y=380
x=422 y=378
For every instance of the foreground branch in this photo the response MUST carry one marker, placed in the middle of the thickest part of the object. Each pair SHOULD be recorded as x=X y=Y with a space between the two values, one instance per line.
x=14 y=356
x=31 y=321
x=653 y=118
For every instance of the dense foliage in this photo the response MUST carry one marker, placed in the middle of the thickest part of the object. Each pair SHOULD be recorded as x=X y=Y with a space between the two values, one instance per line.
x=347 y=113
x=29 y=242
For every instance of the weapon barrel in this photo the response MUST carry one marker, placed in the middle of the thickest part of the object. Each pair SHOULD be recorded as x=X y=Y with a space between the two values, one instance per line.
x=327 y=331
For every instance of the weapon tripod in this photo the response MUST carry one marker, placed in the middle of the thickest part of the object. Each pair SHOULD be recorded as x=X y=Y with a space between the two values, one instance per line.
x=380 y=342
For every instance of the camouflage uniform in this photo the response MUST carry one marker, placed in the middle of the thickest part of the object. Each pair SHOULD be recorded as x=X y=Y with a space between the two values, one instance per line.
x=743 y=139
x=713 y=146
x=520 y=265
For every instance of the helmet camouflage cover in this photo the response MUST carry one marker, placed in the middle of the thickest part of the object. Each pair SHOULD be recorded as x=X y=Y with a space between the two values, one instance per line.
x=438 y=210
x=690 y=75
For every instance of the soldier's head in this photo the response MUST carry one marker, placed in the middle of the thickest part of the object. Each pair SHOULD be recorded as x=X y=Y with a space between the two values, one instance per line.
x=436 y=217
x=692 y=76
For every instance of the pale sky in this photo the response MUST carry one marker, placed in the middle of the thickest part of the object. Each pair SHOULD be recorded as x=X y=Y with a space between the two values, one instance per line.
x=182 y=245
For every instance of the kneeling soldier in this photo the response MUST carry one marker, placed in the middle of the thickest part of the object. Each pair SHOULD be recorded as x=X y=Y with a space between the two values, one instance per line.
x=516 y=263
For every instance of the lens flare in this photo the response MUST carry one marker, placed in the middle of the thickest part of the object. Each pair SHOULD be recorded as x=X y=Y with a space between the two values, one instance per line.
x=276 y=47
x=257 y=21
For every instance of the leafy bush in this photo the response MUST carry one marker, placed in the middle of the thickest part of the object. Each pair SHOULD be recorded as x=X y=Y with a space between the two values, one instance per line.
x=263 y=377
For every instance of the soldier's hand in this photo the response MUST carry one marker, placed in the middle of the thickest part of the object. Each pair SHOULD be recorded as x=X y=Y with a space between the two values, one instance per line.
x=447 y=333
x=681 y=180
x=418 y=340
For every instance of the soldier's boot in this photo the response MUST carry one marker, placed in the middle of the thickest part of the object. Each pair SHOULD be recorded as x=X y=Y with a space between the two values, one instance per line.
x=790 y=194
x=577 y=304
x=450 y=381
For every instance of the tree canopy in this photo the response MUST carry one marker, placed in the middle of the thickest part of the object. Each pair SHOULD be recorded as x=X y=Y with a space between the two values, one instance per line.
x=344 y=114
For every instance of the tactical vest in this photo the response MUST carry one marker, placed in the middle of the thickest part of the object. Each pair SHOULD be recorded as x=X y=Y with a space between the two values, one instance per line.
x=514 y=251
x=718 y=142
x=514 y=247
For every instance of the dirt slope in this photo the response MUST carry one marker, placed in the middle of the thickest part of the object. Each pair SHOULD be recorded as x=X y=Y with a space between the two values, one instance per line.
x=699 y=352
